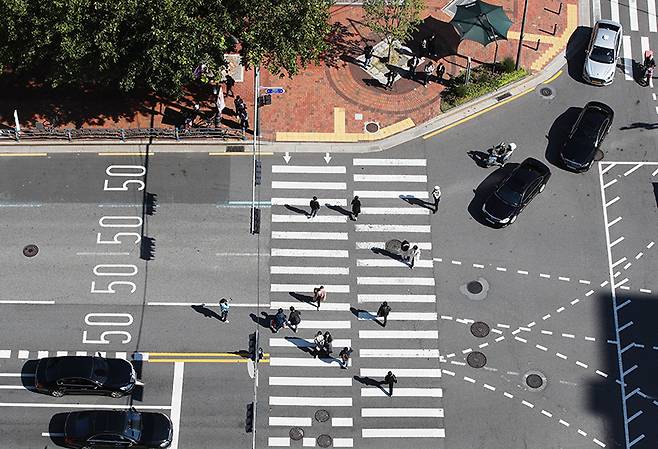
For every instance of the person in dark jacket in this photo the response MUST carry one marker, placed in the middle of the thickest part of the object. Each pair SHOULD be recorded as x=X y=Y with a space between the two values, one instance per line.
x=356 y=208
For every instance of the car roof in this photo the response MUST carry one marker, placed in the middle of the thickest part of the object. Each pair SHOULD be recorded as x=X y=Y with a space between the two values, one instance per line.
x=606 y=31
x=531 y=167
x=92 y=422
x=69 y=366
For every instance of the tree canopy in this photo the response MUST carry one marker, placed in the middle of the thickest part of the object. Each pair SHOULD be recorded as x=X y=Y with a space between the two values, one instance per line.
x=155 y=44
x=393 y=19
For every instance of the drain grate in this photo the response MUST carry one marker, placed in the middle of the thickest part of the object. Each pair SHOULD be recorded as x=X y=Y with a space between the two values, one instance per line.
x=322 y=415
x=546 y=92
x=480 y=329
x=30 y=250
x=535 y=380
x=476 y=359
x=296 y=433
x=324 y=440
x=372 y=127
x=474 y=287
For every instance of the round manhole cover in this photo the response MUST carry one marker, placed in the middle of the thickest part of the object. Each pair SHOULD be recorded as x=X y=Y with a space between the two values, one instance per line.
x=296 y=433
x=372 y=127
x=322 y=416
x=474 y=287
x=534 y=381
x=476 y=359
x=30 y=250
x=324 y=440
x=480 y=329
x=547 y=92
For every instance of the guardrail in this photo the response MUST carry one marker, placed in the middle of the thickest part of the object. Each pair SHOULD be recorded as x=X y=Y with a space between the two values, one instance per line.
x=122 y=134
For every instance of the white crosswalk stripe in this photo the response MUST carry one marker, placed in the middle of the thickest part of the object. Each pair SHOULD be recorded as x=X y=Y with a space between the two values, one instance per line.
x=309 y=169
x=404 y=392
x=395 y=298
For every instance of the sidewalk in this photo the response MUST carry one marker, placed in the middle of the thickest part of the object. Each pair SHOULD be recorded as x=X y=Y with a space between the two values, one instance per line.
x=327 y=105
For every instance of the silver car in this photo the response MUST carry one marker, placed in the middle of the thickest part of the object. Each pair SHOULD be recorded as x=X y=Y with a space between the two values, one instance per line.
x=602 y=53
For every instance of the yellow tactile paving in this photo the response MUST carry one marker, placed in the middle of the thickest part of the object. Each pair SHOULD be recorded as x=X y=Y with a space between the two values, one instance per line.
x=557 y=43
x=339 y=120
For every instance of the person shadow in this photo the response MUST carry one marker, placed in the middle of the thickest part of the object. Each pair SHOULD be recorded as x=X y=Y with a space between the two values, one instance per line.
x=303 y=298
x=296 y=210
x=417 y=202
x=384 y=252
x=479 y=157
x=370 y=382
x=205 y=311
x=302 y=345
x=264 y=320
x=339 y=209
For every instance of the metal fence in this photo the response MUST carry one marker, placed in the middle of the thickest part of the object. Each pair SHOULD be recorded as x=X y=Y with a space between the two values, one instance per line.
x=122 y=134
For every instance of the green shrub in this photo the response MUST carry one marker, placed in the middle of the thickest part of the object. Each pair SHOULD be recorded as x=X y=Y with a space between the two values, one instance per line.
x=508 y=65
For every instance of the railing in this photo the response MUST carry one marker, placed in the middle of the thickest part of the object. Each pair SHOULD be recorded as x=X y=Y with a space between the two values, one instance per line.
x=122 y=134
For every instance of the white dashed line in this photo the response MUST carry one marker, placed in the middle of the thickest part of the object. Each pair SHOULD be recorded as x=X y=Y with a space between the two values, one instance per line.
x=483 y=345
x=581 y=364
x=527 y=404
x=543 y=331
x=569 y=335
x=506 y=326
x=564 y=423
x=562 y=356
x=467 y=350
x=521 y=272
x=468 y=379
x=560 y=309
x=591 y=292
x=507 y=395
x=496 y=331
x=544 y=412
x=574 y=302
x=604 y=283
x=656 y=170
x=489 y=387
x=583 y=433
x=562 y=278
x=455 y=362
x=627 y=265
x=583 y=281
x=590 y=338
x=456 y=262
x=644 y=290
x=477 y=265
x=640 y=254
x=650 y=245
x=545 y=317
x=449 y=373
x=543 y=348
x=543 y=275
x=531 y=324
x=501 y=269
x=601 y=373
x=500 y=338
x=523 y=340
x=516 y=331
x=525 y=329
x=446 y=317
x=598 y=442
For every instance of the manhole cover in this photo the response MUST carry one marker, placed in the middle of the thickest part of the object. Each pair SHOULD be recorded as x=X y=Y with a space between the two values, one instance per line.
x=321 y=416
x=534 y=381
x=547 y=92
x=474 y=287
x=30 y=250
x=480 y=329
x=476 y=359
x=324 y=440
x=372 y=127
x=296 y=433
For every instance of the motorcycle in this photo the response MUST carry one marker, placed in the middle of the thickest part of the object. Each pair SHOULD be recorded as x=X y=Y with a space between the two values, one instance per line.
x=499 y=154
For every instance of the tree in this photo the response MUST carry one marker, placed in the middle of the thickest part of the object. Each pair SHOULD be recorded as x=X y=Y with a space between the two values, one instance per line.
x=393 y=19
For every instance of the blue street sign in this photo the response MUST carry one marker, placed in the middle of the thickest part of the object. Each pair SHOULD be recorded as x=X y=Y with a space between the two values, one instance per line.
x=275 y=90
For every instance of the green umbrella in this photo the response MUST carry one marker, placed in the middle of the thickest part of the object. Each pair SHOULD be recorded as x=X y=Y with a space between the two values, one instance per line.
x=481 y=22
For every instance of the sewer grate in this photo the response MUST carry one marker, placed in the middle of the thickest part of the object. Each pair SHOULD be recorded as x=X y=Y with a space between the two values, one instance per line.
x=476 y=359
x=546 y=92
x=480 y=329
x=535 y=380
x=372 y=127
x=324 y=440
x=30 y=250
x=322 y=415
x=296 y=433
x=474 y=287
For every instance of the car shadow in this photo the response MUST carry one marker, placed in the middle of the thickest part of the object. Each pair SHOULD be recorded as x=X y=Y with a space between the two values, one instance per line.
x=485 y=189
x=575 y=52
x=557 y=135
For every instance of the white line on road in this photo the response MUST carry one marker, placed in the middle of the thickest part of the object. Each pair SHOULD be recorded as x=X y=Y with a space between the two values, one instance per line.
x=433 y=334
x=394 y=211
x=389 y=178
x=608 y=184
x=620 y=261
x=198 y=303
x=311 y=401
x=391 y=412
x=369 y=245
x=405 y=392
x=240 y=254
x=395 y=298
x=632 y=11
x=176 y=401
x=298 y=342
x=290 y=421
x=309 y=169
x=398 y=353
x=389 y=432
x=26 y=302
x=596 y=9
x=400 y=316
x=311 y=381
x=393 y=281
x=306 y=201
x=617 y=241
x=401 y=372
x=83 y=406
x=309 y=235
x=309 y=270
x=391 y=194
x=333 y=306
x=304 y=219
x=318 y=324
x=390 y=162
x=392 y=228
x=394 y=263
x=308 y=288
x=312 y=185
x=321 y=362
x=102 y=254
x=626 y=40
x=291 y=252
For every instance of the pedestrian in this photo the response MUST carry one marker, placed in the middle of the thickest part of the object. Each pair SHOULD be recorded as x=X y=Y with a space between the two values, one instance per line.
x=328 y=344
x=239 y=104
x=390 y=379
x=412 y=63
x=318 y=341
x=390 y=79
x=223 y=310
x=436 y=194
x=404 y=250
x=423 y=47
x=294 y=318
x=278 y=321
x=431 y=45
x=344 y=357
x=230 y=82
x=315 y=207
x=367 y=53
x=244 y=119
x=356 y=208
x=319 y=295
x=383 y=311
x=429 y=69
x=415 y=255
x=440 y=71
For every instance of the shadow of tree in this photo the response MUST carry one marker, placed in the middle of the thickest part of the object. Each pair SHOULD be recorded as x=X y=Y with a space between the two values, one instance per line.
x=342 y=42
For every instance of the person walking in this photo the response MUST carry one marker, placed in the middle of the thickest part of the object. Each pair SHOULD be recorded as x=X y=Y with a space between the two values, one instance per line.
x=423 y=47
x=319 y=295
x=243 y=115
x=440 y=71
x=414 y=255
x=328 y=344
x=367 y=53
x=412 y=64
x=315 y=207
x=294 y=318
x=318 y=341
x=239 y=104
x=383 y=311
x=223 y=310
x=356 y=208
x=390 y=79
x=390 y=379
x=436 y=195
x=344 y=357
x=278 y=321
x=230 y=82
x=429 y=69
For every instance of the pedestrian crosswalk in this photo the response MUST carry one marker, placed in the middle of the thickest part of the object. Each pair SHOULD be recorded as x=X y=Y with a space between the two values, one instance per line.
x=351 y=260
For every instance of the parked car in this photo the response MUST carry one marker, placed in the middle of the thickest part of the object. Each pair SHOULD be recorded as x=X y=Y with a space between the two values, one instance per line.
x=602 y=53
x=515 y=191
x=84 y=375
x=586 y=136
x=117 y=428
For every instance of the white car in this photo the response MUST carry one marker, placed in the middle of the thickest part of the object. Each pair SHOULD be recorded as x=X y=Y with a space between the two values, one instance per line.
x=602 y=53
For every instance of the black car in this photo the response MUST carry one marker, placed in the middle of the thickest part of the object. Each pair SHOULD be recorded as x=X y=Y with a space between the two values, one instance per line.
x=84 y=375
x=586 y=136
x=515 y=192
x=117 y=428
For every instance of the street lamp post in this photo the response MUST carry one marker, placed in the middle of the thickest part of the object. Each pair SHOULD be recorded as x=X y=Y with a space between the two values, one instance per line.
x=518 y=51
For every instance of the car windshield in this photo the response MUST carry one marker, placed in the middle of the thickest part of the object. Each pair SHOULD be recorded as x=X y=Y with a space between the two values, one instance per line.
x=602 y=55
x=508 y=194
x=133 y=428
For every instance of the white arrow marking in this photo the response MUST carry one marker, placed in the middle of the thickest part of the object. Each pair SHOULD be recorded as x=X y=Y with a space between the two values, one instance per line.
x=287 y=157
x=327 y=158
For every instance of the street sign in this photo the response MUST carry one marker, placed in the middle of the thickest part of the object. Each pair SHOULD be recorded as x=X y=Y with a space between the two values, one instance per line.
x=275 y=90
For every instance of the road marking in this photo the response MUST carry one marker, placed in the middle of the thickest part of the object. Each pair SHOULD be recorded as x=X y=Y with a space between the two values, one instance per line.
x=394 y=211
x=395 y=263
x=640 y=254
x=26 y=302
x=468 y=379
x=102 y=254
x=401 y=353
x=393 y=281
x=290 y=421
x=309 y=169
x=523 y=340
x=340 y=422
x=309 y=270
x=501 y=269
x=546 y=332
x=391 y=412
x=337 y=442
x=311 y=381
x=504 y=326
x=312 y=185
x=627 y=265
x=389 y=178
x=290 y=252
x=545 y=317
x=625 y=280
x=333 y=306
x=401 y=372
x=589 y=293
x=176 y=401
x=489 y=387
x=391 y=194
x=23 y=154
x=304 y=219
x=395 y=298
x=298 y=342
x=392 y=228
x=398 y=316
x=644 y=290
x=569 y=335
x=562 y=278
x=562 y=356
x=317 y=324
x=83 y=406
x=632 y=10
x=507 y=395
x=651 y=12
x=311 y=401
x=369 y=245
x=321 y=362
x=599 y=442
x=306 y=201
x=582 y=281
x=309 y=235
x=564 y=423
x=544 y=412
x=390 y=162
x=620 y=239
x=521 y=271
x=278 y=441
x=574 y=302
x=543 y=275
x=543 y=348
x=638 y=165
x=404 y=392
x=477 y=265
x=581 y=364
x=433 y=334
x=308 y=288
x=608 y=184
x=527 y=404
x=583 y=433
x=215 y=304
x=616 y=220
x=596 y=9
x=389 y=432
x=620 y=261
x=626 y=40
